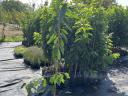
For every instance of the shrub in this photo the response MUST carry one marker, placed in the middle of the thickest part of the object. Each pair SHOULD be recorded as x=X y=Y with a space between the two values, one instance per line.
x=34 y=57
x=79 y=36
x=86 y=49
x=30 y=23
x=19 y=51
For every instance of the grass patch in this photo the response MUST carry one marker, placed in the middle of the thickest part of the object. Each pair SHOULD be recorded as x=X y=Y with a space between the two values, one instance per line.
x=14 y=39
x=19 y=51
x=1 y=40
x=34 y=57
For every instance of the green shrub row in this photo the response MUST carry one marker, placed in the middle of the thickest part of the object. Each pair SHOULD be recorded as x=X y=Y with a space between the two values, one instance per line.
x=84 y=40
x=33 y=56
x=75 y=39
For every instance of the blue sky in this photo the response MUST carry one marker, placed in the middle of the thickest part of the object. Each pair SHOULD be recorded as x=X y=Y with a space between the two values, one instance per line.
x=121 y=2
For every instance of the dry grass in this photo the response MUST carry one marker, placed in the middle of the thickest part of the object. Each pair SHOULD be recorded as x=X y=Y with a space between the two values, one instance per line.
x=11 y=31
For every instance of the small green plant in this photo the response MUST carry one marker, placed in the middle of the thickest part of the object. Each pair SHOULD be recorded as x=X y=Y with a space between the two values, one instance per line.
x=19 y=51
x=34 y=56
x=33 y=86
x=45 y=86
x=58 y=79
x=115 y=55
x=37 y=38
x=110 y=59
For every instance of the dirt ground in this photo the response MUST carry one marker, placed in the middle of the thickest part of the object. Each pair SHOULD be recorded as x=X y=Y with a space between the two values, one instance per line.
x=11 y=30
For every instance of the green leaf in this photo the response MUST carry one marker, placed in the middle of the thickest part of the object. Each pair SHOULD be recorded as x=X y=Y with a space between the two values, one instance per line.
x=67 y=75
x=52 y=38
x=44 y=83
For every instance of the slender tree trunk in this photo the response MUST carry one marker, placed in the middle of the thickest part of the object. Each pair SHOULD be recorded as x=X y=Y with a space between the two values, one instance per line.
x=3 y=30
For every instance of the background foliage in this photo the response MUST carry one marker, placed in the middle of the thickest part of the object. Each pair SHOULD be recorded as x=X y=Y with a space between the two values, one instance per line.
x=118 y=22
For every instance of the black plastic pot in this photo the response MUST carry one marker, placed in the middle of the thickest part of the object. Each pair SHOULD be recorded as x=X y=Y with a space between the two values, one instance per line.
x=18 y=56
x=33 y=66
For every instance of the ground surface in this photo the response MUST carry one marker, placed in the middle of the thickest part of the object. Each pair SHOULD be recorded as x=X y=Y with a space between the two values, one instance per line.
x=13 y=73
x=119 y=77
